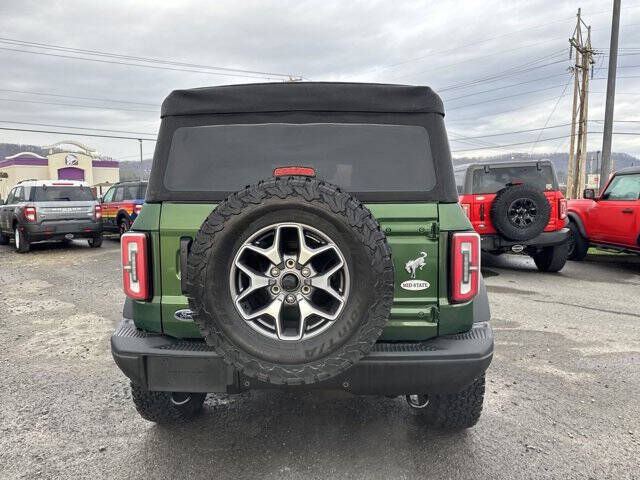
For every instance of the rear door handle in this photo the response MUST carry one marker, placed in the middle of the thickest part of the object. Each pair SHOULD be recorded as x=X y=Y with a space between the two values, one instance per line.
x=627 y=210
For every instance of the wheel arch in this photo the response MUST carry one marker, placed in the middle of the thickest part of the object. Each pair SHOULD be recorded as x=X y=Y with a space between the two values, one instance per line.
x=575 y=218
x=122 y=214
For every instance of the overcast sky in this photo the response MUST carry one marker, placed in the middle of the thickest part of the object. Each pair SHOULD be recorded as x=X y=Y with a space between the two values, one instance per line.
x=437 y=43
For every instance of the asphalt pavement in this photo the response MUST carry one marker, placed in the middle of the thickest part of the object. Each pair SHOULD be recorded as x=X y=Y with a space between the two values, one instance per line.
x=563 y=392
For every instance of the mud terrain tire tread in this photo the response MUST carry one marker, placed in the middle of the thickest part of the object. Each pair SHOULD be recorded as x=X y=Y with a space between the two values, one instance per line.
x=365 y=229
x=455 y=411
x=551 y=259
x=580 y=244
x=157 y=406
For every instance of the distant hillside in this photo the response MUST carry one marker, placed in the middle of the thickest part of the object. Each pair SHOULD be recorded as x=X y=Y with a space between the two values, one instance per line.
x=8 y=149
x=130 y=170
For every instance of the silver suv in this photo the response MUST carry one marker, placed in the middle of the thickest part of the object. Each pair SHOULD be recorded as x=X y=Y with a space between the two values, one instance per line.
x=44 y=210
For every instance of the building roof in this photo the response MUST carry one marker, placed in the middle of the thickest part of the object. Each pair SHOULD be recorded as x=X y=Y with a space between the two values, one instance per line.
x=303 y=96
x=25 y=154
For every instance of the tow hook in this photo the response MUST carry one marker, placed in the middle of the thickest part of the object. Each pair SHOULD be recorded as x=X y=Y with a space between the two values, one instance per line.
x=417 y=401
x=179 y=398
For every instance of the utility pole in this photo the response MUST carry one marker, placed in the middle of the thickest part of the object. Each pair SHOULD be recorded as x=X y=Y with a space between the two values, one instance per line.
x=606 y=166
x=578 y=146
x=141 y=164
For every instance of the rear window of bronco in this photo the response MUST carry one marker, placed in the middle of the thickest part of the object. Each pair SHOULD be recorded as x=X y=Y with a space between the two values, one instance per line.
x=496 y=178
x=357 y=157
x=61 y=194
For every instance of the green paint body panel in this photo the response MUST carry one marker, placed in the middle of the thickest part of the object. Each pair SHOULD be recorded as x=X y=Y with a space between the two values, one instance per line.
x=410 y=229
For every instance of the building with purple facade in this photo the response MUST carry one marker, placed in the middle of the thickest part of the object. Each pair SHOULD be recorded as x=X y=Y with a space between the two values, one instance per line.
x=67 y=160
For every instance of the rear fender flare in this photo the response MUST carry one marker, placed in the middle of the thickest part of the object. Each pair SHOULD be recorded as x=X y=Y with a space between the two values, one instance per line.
x=575 y=218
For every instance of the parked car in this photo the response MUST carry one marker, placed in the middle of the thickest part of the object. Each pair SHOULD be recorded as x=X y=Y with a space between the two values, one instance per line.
x=121 y=204
x=611 y=221
x=44 y=210
x=516 y=207
x=273 y=272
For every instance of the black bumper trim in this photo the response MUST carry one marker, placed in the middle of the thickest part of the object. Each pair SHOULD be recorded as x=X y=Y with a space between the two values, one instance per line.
x=545 y=239
x=56 y=230
x=443 y=364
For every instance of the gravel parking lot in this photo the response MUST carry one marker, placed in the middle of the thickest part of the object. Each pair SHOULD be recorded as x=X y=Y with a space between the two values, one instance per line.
x=563 y=393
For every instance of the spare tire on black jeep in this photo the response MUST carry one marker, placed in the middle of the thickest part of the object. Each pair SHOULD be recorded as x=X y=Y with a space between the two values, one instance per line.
x=290 y=280
x=520 y=212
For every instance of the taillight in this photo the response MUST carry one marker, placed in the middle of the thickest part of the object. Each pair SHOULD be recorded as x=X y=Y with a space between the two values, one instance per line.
x=285 y=171
x=135 y=275
x=137 y=209
x=29 y=214
x=97 y=212
x=466 y=208
x=465 y=266
x=562 y=206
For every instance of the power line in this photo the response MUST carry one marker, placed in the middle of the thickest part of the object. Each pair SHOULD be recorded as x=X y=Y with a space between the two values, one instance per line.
x=475 y=118
x=101 y=107
x=478 y=58
x=505 y=86
x=77 y=134
x=534 y=141
x=78 y=128
x=79 y=98
x=155 y=67
x=553 y=110
x=498 y=76
x=48 y=46
x=509 y=144
x=505 y=97
x=533 y=130
x=514 y=132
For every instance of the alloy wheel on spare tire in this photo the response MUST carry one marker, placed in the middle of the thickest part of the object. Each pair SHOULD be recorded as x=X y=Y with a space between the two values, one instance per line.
x=520 y=212
x=290 y=280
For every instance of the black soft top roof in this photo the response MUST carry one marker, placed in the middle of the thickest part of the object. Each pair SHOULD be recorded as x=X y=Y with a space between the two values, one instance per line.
x=628 y=171
x=303 y=96
x=521 y=163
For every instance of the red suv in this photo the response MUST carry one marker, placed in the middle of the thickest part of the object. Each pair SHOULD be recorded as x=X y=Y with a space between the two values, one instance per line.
x=611 y=221
x=516 y=207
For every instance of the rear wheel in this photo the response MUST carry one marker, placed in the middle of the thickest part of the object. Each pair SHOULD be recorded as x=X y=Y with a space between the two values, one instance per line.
x=166 y=407
x=551 y=259
x=95 y=242
x=577 y=245
x=22 y=242
x=453 y=411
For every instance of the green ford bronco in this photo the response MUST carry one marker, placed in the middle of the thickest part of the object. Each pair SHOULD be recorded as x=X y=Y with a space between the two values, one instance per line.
x=304 y=236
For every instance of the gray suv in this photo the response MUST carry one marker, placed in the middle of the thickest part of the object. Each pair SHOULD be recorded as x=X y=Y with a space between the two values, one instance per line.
x=44 y=210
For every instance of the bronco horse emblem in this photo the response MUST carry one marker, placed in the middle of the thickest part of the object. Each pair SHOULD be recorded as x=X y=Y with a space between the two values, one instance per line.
x=415 y=264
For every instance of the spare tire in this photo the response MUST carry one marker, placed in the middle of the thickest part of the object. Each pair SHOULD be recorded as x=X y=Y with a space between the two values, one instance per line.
x=520 y=212
x=290 y=280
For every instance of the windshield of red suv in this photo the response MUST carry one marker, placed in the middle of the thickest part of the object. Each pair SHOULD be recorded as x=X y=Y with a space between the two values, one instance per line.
x=499 y=177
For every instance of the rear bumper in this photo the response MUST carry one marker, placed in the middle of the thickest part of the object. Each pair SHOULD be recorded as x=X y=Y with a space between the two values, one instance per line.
x=545 y=239
x=63 y=228
x=444 y=364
